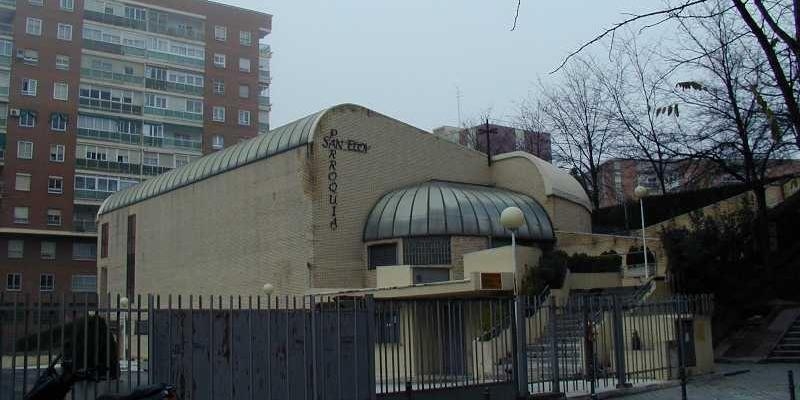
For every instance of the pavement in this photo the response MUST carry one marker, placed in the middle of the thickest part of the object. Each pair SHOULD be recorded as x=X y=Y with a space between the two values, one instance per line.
x=761 y=382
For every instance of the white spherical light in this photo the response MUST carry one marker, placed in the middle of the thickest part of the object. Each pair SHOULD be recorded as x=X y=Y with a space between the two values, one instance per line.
x=123 y=302
x=268 y=288
x=512 y=218
x=640 y=192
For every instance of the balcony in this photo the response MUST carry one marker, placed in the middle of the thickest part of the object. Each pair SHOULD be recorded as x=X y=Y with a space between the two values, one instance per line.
x=178 y=60
x=110 y=106
x=173 y=87
x=263 y=101
x=115 y=20
x=3 y=123
x=116 y=137
x=5 y=61
x=108 y=166
x=187 y=116
x=93 y=195
x=263 y=127
x=114 y=48
x=181 y=32
x=152 y=170
x=84 y=225
x=4 y=90
x=8 y=3
x=108 y=76
x=264 y=76
x=264 y=51
x=171 y=142
x=6 y=29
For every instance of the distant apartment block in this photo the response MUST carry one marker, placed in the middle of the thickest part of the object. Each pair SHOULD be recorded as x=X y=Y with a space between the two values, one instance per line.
x=504 y=139
x=96 y=96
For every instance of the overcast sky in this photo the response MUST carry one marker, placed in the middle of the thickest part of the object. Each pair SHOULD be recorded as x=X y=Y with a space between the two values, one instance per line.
x=405 y=58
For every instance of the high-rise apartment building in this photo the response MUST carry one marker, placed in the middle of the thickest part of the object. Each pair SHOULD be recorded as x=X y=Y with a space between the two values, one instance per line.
x=96 y=96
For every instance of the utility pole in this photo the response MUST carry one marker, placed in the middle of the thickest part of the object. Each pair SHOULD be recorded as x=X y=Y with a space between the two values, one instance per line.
x=458 y=100
x=488 y=131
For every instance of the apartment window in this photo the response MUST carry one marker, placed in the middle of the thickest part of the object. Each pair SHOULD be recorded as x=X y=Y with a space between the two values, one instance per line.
x=104 y=240
x=244 y=65
x=159 y=74
x=380 y=255
x=220 y=33
x=57 y=152
x=64 y=31
x=53 y=217
x=36 y=2
x=21 y=215
x=150 y=159
x=33 y=26
x=14 y=281
x=27 y=119
x=84 y=283
x=194 y=106
x=62 y=62
x=22 y=182
x=153 y=130
x=55 y=185
x=135 y=13
x=30 y=57
x=155 y=101
x=6 y=48
x=29 y=87
x=58 y=122
x=217 y=142
x=181 y=160
x=47 y=282
x=219 y=60
x=68 y=5
x=244 y=91
x=219 y=114
x=245 y=38
x=219 y=87
x=60 y=91
x=48 y=251
x=84 y=251
x=24 y=150
x=15 y=248
x=244 y=117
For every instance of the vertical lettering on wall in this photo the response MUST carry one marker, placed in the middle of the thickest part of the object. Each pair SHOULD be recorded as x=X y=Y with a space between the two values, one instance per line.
x=334 y=144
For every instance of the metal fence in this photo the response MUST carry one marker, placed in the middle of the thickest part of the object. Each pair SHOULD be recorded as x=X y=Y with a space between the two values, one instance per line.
x=314 y=347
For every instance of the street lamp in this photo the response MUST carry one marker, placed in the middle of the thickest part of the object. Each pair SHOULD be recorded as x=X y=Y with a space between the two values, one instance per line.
x=640 y=193
x=512 y=218
x=123 y=303
x=268 y=289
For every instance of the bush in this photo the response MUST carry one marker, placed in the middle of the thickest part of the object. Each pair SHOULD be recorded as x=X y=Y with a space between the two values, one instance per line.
x=553 y=266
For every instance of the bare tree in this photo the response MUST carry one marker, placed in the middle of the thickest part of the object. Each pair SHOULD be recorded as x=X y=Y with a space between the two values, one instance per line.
x=572 y=109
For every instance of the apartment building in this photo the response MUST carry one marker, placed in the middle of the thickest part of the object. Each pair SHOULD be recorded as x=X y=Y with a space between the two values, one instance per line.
x=504 y=139
x=97 y=96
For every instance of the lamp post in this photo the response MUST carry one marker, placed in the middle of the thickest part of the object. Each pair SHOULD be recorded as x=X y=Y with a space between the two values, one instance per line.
x=123 y=303
x=512 y=218
x=640 y=193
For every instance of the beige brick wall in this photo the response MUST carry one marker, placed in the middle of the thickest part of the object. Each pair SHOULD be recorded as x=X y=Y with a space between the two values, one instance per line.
x=399 y=155
x=568 y=216
x=593 y=245
x=463 y=245
x=228 y=234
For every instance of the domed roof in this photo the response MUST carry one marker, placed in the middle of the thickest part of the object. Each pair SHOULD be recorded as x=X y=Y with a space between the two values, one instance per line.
x=458 y=209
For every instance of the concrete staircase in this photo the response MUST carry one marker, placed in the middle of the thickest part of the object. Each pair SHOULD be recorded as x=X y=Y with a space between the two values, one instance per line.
x=788 y=349
x=569 y=350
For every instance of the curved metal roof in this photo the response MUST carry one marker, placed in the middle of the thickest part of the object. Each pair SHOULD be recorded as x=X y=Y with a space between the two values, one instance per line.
x=290 y=136
x=448 y=208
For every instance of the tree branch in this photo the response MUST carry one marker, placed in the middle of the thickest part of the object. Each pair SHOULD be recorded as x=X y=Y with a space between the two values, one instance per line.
x=516 y=15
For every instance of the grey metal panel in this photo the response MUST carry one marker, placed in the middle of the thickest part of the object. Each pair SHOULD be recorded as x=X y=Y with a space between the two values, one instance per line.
x=452 y=210
x=435 y=208
x=292 y=135
x=420 y=212
x=437 y=221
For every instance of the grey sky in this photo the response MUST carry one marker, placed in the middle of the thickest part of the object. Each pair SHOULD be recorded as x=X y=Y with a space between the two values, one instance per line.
x=404 y=58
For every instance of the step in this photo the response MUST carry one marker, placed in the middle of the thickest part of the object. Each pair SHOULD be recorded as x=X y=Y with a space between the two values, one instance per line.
x=791 y=360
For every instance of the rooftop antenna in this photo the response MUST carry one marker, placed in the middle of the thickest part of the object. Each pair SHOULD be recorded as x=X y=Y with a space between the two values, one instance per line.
x=458 y=100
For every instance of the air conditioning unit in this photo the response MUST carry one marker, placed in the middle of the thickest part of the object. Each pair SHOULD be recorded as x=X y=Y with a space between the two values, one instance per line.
x=20 y=53
x=14 y=112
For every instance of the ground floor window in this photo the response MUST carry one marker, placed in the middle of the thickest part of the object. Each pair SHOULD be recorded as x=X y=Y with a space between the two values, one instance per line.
x=380 y=255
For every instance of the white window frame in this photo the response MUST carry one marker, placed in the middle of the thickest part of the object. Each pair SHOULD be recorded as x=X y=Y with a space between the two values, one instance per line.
x=220 y=33
x=30 y=87
x=21 y=155
x=55 y=127
x=218 y=114
x=16 y=278
x=217 y=142
x=48 y=278
x=219 y=84
x=57 y=153
x=27 y=119
x=185 y=159
x=33 y=26
x=62 y=62
x=193 y=109
x=67 y=5
x=245 y=65
x=55 y=184
x=22 y=182
x=244 y=118
x=220 y=60
x=47 y=250
x=51 y=212
x=75 y=256
x=245 y=38
x=61 y=87
x=20 y=220
x=64 y=32
x=16 y=249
